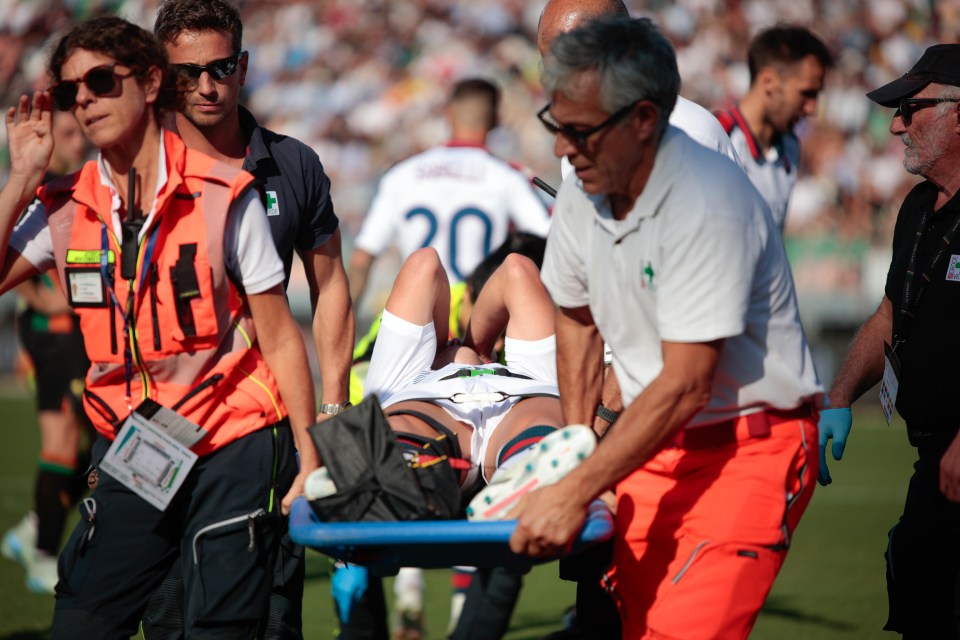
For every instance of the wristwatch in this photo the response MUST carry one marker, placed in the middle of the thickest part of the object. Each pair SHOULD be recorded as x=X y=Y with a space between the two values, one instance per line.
x=334 y=409
x=607 y=414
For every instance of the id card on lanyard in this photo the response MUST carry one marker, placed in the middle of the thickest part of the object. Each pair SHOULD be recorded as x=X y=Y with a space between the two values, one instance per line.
x=151 y=455
x=890 y=383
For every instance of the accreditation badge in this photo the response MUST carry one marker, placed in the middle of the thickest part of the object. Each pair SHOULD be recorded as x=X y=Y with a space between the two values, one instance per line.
x=151 y=455
x=85 y=287
x=890 y=383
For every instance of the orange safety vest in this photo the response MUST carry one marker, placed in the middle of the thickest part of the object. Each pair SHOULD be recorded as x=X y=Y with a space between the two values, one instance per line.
x=192 y=346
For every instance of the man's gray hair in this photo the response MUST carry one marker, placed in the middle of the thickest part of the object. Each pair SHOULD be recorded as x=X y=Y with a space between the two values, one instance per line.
x=632 y=59
x=948 y=92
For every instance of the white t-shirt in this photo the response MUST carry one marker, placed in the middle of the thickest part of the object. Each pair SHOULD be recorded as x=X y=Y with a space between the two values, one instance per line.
x=458 y=199
x=773 y=173
x=697 y=259
x=696 y=122
x=249 y=253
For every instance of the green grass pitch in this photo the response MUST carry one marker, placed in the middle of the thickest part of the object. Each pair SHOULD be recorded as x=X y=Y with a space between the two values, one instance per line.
x=832 y=586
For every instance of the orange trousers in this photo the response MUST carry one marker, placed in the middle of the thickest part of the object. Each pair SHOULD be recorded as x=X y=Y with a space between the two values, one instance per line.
x=703 y=528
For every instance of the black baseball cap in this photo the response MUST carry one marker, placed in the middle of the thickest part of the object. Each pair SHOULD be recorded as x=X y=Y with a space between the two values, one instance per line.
x=939 y=63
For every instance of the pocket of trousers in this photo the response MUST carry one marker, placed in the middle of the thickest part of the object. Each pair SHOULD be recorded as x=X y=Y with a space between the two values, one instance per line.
x=717 y=592
x=79 y=554
x=232 y=566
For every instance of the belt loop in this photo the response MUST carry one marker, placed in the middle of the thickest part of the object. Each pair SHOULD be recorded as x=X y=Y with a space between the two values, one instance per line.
x=758 y=425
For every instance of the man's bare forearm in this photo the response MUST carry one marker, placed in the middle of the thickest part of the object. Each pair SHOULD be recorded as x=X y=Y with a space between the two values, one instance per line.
x=283 y=349
x=579 y=364
x=863 y=365
x=333 y=323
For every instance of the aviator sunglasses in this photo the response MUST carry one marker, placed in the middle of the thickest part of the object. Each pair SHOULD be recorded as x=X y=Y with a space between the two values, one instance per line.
x=188 y=75
x=104 y=81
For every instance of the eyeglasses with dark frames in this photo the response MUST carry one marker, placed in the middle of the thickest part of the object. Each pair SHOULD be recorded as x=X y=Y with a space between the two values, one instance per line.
x=188 y=75
x=104 y=81
x=909 y=106
x=577 y=136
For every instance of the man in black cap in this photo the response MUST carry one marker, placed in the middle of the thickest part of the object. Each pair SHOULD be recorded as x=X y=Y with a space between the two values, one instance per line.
x=911 y=345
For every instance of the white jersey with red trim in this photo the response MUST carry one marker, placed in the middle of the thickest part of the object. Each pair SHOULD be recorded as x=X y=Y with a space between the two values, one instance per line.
x=459 y=199
x=773 y=173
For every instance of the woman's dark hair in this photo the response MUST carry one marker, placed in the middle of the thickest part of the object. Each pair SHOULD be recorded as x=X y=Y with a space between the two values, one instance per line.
x=126 y=43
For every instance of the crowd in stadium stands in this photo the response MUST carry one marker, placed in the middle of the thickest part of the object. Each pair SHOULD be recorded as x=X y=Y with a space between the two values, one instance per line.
x=363 y=82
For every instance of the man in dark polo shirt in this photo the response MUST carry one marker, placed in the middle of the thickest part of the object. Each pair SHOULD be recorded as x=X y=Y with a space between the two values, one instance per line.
x=911 y=345
x=203 y=39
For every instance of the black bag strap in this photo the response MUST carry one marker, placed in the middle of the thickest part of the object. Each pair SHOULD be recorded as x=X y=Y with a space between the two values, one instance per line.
x=435 y=424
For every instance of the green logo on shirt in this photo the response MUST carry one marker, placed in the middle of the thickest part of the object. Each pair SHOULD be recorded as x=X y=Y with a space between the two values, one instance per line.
x=646 y=275
x=273 y=205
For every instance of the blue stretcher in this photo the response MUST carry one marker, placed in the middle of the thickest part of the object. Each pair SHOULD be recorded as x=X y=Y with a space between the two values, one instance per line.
x=384 y=547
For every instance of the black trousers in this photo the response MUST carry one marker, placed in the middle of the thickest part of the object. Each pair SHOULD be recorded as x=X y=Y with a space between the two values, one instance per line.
x=923 y=554
x=223 y=527
x=596 y=614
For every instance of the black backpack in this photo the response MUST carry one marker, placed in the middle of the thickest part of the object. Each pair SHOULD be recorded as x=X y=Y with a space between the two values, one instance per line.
x=374 y=482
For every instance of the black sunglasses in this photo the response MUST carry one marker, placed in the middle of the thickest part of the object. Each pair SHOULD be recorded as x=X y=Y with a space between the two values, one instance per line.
x=909 y=106
x=102 y=81
x=188 y=75
x=579 y=136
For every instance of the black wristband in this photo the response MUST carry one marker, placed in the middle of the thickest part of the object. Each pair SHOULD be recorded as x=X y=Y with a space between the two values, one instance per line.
x=607 y=414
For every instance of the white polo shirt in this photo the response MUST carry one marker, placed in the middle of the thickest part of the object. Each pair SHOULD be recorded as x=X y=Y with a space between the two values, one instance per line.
x=697 y=259
x=459 y=199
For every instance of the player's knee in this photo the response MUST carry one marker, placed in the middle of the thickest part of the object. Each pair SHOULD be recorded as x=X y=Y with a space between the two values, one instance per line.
x=519 y=268
x=425 y=261
x=422 y=273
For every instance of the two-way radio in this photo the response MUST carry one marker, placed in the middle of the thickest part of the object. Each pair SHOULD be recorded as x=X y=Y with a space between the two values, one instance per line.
x=130 y=230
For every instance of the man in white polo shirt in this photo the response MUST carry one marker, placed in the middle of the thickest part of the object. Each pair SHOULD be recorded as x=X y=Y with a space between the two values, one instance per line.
x=664 y=248
x=593 y=615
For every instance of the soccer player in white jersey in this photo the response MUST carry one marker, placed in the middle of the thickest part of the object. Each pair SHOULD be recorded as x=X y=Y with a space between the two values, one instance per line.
x=458 y=198
x=787 y=69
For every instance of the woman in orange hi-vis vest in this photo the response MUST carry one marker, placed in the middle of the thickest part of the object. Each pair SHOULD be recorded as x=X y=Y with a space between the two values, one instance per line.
x=197 y=406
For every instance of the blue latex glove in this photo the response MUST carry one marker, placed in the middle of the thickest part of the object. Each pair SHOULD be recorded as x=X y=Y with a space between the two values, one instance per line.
x=834 y=423
x=348 y=585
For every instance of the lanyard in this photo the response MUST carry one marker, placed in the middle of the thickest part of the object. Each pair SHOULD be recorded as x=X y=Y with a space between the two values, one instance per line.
x=911 y=299
x=131 y=347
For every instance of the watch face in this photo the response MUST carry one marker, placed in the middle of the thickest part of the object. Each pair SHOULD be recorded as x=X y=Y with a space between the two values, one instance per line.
x=333 y=409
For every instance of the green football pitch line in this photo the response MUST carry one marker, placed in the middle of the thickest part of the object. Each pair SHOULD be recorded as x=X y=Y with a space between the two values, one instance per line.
x=831 y=587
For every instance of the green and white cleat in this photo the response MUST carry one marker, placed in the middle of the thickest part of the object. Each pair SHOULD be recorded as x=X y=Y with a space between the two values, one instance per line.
x=544 y=463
